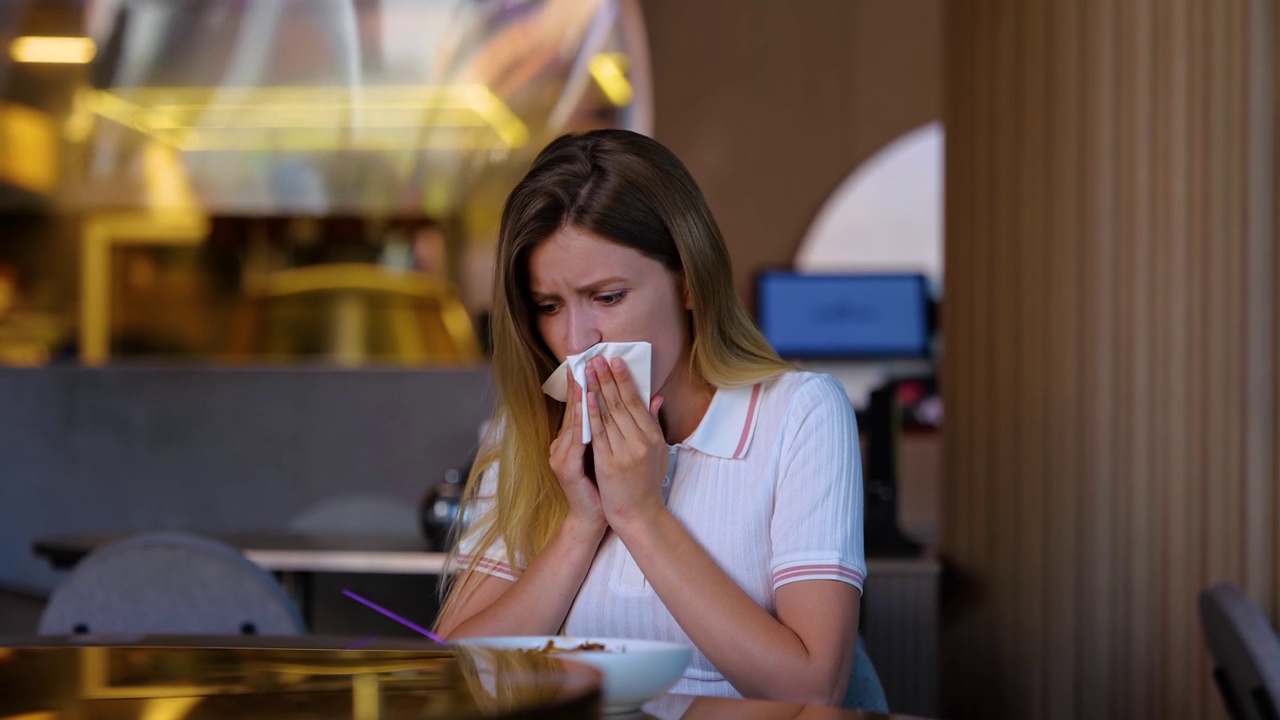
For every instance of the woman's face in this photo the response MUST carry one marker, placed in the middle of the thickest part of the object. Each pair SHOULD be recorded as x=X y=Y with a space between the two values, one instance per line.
x=586 y=290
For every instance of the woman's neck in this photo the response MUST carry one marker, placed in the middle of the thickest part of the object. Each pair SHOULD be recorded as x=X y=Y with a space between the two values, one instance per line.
x=684 y=403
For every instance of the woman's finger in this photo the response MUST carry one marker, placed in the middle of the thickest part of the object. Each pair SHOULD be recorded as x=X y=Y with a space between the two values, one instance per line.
x=574 y=431
x=629 y=390
x=593 y=386
x=599 y=437
x=567 y=438
x=620 y=398
x=567 y=448
x=567 y=418
x=654 y=406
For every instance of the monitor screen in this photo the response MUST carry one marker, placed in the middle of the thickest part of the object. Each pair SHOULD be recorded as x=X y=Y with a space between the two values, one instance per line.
x=844 y=316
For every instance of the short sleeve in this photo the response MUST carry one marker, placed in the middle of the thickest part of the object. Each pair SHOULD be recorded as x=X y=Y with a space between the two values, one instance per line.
x=494 y=560
x=817 y=524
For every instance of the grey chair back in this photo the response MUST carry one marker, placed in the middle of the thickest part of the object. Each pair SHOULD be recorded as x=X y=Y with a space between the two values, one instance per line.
x=1245 y=652
x=865 y=691
x=172 y=584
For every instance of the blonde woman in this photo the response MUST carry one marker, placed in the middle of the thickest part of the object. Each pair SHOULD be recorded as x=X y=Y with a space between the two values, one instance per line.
x=727 y=513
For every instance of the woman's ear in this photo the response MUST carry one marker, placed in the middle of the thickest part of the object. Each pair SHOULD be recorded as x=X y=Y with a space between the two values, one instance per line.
x=688 y=295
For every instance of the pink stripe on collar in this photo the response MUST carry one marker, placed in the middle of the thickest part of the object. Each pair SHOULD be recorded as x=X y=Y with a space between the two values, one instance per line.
x=746 y=427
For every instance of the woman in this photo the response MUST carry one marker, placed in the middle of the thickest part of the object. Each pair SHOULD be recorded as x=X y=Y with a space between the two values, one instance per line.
x=727 y=513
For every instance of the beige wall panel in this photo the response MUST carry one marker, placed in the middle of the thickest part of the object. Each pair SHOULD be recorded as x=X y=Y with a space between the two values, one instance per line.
x=772 y=104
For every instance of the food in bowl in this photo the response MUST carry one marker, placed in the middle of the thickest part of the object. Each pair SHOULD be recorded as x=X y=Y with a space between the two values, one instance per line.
x=634 y=671
x=552 y=649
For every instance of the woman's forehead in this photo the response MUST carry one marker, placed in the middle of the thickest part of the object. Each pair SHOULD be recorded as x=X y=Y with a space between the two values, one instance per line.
x=572 y=267
x=572 y=250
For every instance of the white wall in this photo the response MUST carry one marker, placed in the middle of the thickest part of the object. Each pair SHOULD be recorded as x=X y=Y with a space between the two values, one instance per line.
x=887 y=215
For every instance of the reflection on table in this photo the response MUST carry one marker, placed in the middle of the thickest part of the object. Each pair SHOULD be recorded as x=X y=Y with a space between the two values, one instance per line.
x=158 y=678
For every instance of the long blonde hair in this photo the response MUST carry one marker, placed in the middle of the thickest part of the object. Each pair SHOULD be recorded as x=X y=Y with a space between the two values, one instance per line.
x=628 y=188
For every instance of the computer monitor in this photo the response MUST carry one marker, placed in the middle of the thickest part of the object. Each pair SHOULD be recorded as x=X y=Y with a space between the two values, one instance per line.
x=845 y=316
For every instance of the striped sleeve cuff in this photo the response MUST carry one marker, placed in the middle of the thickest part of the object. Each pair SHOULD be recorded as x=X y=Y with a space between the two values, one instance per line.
x=488 y=566
x=798 y=571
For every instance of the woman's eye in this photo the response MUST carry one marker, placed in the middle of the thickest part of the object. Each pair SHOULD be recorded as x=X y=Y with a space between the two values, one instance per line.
x=546 y=308
x=612 y=298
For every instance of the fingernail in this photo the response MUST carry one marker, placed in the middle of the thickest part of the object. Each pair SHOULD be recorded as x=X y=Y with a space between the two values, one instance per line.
x=617 y=364
x=591 y=374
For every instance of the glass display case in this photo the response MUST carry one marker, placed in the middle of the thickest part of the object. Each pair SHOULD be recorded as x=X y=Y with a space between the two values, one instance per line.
x=171 y=173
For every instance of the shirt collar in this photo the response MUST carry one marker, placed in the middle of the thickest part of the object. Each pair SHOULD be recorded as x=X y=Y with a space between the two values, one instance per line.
x=729 y=423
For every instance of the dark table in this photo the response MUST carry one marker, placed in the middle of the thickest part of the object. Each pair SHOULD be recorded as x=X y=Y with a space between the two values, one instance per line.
x=318 y=678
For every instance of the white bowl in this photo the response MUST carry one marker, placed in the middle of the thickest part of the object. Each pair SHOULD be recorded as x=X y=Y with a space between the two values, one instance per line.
x=634 y=671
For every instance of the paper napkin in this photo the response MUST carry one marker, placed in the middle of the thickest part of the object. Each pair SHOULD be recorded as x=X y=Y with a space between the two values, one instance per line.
x=637 y=356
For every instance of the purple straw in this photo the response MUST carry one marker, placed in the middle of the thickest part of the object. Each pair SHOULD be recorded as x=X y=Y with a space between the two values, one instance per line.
x=361 y=643
x=403 y=621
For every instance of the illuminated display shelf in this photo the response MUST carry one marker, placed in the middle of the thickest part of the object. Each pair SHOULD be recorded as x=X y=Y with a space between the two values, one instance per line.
x=384 y=117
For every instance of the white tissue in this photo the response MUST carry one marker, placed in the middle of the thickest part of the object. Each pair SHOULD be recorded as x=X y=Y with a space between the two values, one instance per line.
x=637 y=356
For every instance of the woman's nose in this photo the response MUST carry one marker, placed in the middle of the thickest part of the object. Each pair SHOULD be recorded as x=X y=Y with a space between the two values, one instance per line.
x=582 y=332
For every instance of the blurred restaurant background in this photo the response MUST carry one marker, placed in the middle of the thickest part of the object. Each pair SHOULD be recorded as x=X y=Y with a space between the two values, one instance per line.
x=246 y=252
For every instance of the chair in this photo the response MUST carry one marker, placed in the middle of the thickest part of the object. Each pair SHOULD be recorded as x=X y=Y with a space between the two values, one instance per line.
x=1245 y=652
x=169 y=583
x=865 y=691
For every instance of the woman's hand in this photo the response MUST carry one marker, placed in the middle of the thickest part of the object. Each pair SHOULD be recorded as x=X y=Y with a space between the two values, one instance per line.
x=567 y=452
x=631 y=454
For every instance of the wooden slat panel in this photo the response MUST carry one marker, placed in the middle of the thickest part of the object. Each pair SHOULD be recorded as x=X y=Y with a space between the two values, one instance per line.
x=1230 y=43
x=1031 y=354
x=1214 y=495
x=987 y=546
x=1002 y=367
x=1164 y=292
x=1066 y=612
x=1263 y=313
x=956 y=372
x=1274 y=173
x=985 y=629
x=1182 y=537
x=963 y=648
x=1196 y=220
x=1102 y=646
x=1032 y=327
x=1161 y=262
x=1114 y=323
x=1136 y=441
x=1262 y=33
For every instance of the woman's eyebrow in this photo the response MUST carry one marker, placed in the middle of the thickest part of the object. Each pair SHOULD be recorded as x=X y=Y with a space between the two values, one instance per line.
x=598 y=284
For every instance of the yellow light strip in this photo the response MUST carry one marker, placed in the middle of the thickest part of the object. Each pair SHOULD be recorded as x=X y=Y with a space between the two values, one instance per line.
x=58 y=50
x=316 y=118
x=610 y=73
x=489 y=106
x=144 y=120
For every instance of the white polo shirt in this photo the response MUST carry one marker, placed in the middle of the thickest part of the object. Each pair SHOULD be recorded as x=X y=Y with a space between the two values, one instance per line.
x=770 y=484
